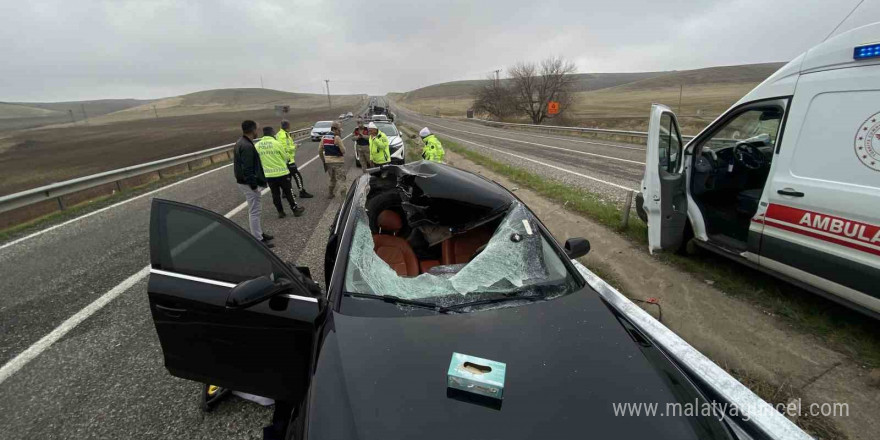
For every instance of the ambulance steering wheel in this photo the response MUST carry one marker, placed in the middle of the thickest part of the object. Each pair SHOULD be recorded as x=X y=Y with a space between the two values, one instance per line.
x=749 y=156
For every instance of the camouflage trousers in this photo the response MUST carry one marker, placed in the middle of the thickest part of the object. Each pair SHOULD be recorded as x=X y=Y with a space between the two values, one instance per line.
x=336 y=172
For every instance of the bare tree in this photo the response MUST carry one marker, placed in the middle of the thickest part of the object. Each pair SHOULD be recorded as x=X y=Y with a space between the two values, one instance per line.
x=535 y=84
x=495 y=98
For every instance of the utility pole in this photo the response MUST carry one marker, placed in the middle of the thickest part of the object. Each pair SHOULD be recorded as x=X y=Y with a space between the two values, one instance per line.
x=329 y=103
x=261 y=82
x=85 y=115
x=155 y=112
x=72 y=120
x=680 y=87
x=496 y=77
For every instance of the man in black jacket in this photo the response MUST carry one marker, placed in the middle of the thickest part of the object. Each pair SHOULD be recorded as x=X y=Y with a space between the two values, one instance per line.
x=249 y=175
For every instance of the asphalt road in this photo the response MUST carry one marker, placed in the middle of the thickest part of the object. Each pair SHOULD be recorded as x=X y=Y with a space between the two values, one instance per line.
x=604 y=167
x=105 y=378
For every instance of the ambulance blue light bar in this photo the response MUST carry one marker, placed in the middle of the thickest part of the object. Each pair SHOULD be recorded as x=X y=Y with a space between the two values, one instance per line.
x=867 y=51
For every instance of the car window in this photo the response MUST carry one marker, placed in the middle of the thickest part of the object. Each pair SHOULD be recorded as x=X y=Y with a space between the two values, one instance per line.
x=670 y=145
x=754 y=123
x=388 y=129
x=192 y=242
x=518 y=259
x=322 y=124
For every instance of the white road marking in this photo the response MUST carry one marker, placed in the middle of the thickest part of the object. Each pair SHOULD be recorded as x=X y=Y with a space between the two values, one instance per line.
x=45 y=342
x=635 y=162
x=542 y=163
x=76 y=219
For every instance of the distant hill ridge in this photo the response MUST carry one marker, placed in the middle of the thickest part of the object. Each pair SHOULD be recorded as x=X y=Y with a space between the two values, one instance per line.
x=586 y=82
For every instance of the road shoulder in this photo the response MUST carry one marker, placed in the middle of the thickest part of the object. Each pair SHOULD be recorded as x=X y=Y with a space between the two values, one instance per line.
x=736 y=335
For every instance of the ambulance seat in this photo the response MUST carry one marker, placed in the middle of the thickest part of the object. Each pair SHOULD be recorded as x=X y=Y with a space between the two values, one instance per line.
x=747 y=201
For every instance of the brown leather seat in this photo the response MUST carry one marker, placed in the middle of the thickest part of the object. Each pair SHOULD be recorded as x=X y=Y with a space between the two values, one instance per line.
x=459 y=248
x=392 y=249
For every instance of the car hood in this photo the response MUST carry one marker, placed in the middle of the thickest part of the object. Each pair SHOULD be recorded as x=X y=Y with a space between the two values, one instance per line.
x=569 y=360
x=394 y=140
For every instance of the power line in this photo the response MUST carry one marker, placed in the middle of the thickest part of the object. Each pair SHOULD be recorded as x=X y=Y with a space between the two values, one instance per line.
x=844 y=19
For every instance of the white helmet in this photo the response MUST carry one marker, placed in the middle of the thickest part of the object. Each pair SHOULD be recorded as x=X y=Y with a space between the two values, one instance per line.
x=425 y=132
x=372 y=126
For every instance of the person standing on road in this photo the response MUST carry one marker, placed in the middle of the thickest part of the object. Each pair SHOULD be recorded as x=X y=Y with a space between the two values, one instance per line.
x=249 y=175
x=380 y=154
x=433 y=150
x=362 y=143
x=275 y=160
x=289 y=146
x=332 y=153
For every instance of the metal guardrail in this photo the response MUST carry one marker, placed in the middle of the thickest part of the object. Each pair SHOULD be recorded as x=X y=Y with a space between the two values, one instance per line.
x=61 y=189
x=639 y=134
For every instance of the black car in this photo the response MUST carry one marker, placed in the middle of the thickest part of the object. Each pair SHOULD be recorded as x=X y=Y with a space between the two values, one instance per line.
x=422 y=261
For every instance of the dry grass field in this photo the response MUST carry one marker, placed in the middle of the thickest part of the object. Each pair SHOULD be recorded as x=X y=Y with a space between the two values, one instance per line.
x=36 y=157
x=620 y=102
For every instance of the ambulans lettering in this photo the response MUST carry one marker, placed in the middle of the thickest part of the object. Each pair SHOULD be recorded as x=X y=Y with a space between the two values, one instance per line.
x=844 y=232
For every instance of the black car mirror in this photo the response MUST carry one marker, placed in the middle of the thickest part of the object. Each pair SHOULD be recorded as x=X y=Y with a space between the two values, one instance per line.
x=577 y=247
x=250 y=292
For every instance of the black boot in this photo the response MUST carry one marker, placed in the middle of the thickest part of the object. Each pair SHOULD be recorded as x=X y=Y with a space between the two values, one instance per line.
x=298 y=210
x=305 y=194
x=281 y=214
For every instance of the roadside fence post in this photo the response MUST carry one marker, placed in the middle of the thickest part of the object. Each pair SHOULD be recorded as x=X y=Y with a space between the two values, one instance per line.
x=624 y=218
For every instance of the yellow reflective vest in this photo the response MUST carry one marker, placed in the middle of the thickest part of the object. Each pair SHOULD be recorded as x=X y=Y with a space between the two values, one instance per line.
x=273 y=156
x=433 y=149
x=288 y=144
x=379 y=151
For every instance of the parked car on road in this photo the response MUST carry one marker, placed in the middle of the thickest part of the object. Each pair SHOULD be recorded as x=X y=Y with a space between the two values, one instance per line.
x=396 y=145
x=788 y=180
x=422 y=261
x=320 y=129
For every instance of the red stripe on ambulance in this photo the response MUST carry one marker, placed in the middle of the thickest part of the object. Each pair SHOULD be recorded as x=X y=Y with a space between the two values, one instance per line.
x=809 y=223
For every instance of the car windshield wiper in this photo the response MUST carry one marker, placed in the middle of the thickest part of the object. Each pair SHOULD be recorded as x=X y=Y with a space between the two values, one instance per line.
x=398 y=300
x=495 y=300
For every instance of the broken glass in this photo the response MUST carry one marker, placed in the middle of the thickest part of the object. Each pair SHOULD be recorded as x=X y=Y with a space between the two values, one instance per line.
x=514 y=257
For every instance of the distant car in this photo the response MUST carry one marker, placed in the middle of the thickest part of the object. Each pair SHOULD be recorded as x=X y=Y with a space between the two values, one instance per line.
x=422 y=260
x=341 y=116
x=395 y=143
x=349 y=115
x=321 y=128
x=382 y=118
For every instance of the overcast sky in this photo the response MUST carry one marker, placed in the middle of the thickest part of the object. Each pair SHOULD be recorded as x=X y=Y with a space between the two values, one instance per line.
x=84 y=49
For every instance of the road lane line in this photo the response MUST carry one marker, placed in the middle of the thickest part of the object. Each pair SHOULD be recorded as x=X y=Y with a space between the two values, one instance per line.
x=69 y=324
x=635 y=162
x=544 y=164
x=76 y=219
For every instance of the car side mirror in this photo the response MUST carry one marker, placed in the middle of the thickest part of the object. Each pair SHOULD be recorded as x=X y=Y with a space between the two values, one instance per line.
x=577 y=247
x=257 y=290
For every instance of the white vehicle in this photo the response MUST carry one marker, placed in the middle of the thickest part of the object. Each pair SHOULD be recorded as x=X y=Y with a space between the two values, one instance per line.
x=379 y=118
x=788 y=179
x=395 y=144
x=349 y=115
x=320 y=129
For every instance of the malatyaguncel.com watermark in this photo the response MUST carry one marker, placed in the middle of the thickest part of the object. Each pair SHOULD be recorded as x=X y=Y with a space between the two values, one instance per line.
x=697 y=408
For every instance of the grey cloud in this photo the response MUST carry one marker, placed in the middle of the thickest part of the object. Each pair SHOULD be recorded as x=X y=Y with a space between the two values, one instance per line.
x=58 y=50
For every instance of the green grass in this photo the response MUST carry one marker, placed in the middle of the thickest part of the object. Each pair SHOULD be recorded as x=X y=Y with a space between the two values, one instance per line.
x=72 y=212
x=847 y=331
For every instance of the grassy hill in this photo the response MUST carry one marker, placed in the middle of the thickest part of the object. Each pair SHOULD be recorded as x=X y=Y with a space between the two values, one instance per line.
x=228 y=100
x=21 y=115
x=619 y=100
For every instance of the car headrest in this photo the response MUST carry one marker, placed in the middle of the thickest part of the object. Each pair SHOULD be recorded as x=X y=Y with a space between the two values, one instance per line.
x=389 y=221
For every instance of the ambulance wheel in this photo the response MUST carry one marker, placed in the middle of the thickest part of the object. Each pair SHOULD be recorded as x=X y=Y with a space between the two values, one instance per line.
x=211 y=396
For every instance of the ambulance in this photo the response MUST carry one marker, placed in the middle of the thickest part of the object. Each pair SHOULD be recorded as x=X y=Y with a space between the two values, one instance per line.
x=786 y=181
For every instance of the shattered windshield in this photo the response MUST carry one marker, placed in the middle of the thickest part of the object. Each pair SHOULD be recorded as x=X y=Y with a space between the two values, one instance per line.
x=516 y=260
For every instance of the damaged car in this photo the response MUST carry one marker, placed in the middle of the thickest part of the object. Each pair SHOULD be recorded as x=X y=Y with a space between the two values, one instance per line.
x=423 y=261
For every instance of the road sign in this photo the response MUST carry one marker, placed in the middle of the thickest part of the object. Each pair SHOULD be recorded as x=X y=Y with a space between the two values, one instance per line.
x=552 y=108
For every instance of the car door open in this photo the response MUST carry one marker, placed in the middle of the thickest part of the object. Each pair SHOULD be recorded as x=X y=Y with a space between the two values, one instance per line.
x=228 y=311
x=664 y=185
